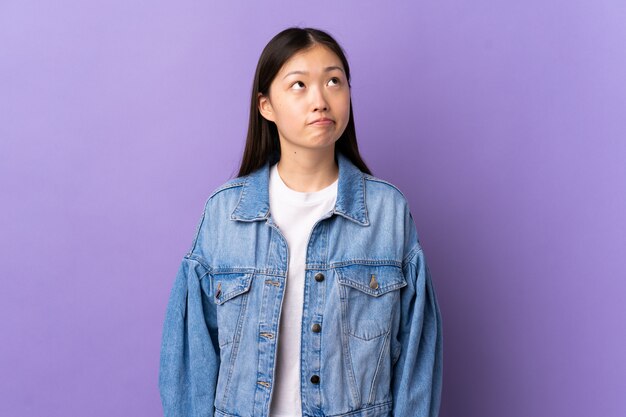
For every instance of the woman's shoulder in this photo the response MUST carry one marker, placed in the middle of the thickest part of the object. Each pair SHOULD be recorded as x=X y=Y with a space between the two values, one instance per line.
x=225 y=196
x=232 y=185
x=384 y=189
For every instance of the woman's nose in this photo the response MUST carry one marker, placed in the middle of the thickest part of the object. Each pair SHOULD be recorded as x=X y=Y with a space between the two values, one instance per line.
x=319 y=101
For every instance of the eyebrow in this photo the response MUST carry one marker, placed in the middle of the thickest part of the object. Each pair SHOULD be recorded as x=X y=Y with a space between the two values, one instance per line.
x=327 y=69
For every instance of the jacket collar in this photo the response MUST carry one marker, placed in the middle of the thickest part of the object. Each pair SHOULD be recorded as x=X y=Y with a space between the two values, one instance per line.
x=254 y=200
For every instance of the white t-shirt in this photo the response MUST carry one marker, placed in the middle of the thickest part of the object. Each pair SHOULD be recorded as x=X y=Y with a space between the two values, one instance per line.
x=294 y=213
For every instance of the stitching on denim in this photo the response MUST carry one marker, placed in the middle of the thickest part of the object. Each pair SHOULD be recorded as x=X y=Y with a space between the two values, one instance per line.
x=198 y=259
x=239 y=290
x=347 y=357
x=346 y=280
x=371 y=262
x=367 y=218
x=204 y=212
x=235 y=349
x=378 y=336
x=243 y=191
x=376 y=179
x=226 y=186
x=385 y=405
x=415 y=251
x=378 y=366
x=217 y=270
x=223 y=413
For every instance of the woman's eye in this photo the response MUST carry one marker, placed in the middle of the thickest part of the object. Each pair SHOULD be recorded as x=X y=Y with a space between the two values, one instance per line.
x=299 y=85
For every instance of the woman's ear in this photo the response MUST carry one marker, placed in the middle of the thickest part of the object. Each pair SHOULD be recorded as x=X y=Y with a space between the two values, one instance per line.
x=265 y=107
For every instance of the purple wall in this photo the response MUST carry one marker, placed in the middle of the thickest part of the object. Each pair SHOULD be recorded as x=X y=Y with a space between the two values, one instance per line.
x=504 y=123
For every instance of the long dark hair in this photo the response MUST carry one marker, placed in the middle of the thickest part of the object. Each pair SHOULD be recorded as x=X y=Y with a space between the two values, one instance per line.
x=262 y=142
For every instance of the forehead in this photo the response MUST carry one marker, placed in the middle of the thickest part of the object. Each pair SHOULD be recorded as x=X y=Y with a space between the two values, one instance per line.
x=316 y=57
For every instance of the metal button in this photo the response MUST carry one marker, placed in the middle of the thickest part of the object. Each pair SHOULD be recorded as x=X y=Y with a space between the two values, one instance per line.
x=315 y=379
x=374 y=283
x=316 y=328
x=319 y=277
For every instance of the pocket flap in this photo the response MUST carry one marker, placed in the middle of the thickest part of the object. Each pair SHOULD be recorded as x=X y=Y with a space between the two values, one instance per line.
x=374 y=280
x=228 y=286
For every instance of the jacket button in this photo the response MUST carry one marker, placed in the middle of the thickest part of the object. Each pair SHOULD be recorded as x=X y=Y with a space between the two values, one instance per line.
x=315 y=379
x=373 y=283
x=319 y=277
x=316 y=328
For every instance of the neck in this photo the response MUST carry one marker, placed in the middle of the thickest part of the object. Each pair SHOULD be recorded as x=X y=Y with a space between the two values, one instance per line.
x=308 y=170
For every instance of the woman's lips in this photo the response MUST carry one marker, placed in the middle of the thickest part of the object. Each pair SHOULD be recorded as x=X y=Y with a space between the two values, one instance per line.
x=324 y=122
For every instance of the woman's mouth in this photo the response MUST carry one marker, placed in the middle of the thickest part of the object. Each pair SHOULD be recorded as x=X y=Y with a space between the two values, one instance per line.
x=322 y=122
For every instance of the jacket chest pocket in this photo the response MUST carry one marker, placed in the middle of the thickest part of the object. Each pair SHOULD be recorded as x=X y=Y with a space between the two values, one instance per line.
x=369 y=295
x=231 y=296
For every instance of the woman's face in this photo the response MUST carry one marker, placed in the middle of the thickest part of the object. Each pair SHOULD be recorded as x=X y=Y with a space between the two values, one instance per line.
x=310 y=85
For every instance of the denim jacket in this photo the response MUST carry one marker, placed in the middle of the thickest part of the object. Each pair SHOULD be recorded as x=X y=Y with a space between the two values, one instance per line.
x=379 y=350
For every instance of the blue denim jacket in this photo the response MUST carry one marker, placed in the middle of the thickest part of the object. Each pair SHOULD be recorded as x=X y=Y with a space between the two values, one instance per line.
x=379 y=351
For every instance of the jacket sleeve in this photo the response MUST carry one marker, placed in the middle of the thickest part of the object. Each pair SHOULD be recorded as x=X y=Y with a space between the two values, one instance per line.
x=417 y=374
x=189 y=360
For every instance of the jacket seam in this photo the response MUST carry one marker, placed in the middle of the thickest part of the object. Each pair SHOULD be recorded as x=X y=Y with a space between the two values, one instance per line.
x=376 y=179
x=413 y=253
x=223 y=187
x=199 y=259
x=370 y=262
x=363 y=409
x=226 y=186
x=241 y=194
x=379 y=364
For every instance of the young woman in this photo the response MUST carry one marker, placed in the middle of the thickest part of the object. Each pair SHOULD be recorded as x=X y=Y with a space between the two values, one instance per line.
x=305 y=291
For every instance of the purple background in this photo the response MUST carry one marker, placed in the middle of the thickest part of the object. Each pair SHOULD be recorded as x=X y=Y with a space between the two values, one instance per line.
x=504 y=123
